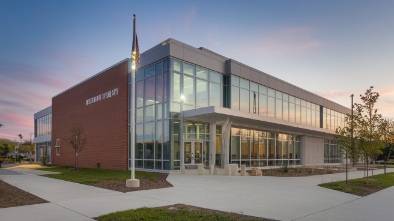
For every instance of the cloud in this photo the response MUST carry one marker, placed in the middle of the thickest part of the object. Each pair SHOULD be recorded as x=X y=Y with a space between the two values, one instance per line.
x=19 y=73
x=385 y=103
x=189 y=16
x=72 y=61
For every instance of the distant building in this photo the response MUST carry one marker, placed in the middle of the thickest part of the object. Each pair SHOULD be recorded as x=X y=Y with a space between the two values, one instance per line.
x=42 y=134
x=194 y=106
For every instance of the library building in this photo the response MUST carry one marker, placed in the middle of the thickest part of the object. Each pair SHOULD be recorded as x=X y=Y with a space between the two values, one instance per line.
x=193 y=107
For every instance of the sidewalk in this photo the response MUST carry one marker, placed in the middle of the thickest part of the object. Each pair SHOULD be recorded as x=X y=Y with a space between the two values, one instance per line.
x=295 y=198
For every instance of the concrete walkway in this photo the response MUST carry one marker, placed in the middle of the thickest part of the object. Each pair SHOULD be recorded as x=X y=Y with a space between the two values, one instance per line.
x=296 y=198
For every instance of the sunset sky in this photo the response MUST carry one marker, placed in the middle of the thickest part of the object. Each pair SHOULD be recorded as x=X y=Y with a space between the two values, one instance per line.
x=330 y=48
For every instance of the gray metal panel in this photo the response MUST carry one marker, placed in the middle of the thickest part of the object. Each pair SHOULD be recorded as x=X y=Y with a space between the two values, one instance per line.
x=263 y=79
x=279 y=85
x=245 y=72
x=176 y=51
x=190 y=55
x=255 y=76
x=217 y=66
x=235 y=68
x=154 y=54
x=272 y=82
x=298 y=92
x=203 y=60
x=303 y=94
x=44 y=138
x=308 y=96
x=43 y=112
x=218 y=57
x=286 y=87
x=292 y=90
x=319 y=101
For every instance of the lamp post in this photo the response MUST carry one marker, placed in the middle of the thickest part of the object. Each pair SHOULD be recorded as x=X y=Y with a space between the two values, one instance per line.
x=31 y=146
x=351 y=141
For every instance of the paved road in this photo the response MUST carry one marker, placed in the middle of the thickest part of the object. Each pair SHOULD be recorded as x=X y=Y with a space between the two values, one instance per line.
x=296 y=198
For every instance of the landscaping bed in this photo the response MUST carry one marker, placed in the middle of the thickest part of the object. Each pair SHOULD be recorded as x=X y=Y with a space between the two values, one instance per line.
x=363 y=186
x=299 y=171
x=176 y=212
x=145 y=184
x=109 y=179
x=11 y=196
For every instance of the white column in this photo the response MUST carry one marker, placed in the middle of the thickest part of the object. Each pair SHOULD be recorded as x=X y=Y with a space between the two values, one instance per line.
x=212 y=144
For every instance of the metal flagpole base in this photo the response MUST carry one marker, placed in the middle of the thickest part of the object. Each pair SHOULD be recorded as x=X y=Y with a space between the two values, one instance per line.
x=133 y=183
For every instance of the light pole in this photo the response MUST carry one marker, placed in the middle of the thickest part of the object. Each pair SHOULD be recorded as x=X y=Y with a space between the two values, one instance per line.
x=351 y=141
x=31 y=146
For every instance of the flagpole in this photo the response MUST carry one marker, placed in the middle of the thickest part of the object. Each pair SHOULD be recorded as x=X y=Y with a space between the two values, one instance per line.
x=133 y=182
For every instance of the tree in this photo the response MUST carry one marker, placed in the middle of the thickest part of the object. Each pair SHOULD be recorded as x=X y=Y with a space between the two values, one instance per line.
x=346 y=142
x=387 y=133
x=1 y=125
x=4 y=150
x=368 y=121
x=77 y=142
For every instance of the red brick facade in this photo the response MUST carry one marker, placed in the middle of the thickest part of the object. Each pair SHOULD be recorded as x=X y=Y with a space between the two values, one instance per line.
x=104 y=120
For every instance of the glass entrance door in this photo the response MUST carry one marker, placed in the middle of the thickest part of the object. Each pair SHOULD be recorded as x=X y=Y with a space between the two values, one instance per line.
x=193 y=152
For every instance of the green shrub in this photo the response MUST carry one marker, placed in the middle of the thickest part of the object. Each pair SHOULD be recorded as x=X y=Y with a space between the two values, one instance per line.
x=284 y=169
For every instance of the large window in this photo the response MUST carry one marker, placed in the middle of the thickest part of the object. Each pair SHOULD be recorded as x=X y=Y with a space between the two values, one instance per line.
x=250 y=97
x=332 y=152
x=259 y=148
x=43 y=125
x=163 y=90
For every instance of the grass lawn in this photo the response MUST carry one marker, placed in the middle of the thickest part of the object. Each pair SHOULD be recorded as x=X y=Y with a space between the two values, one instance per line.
x=88 y=175
x=175 y=212
x=363 y=186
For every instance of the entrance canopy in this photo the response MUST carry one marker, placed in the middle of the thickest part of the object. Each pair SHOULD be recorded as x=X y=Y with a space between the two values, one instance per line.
x=214 y=114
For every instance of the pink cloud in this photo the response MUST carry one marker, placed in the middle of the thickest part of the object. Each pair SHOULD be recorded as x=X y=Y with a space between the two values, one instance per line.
x=287 y=41
x=72 y=59
x=385 y=103
x=18 y=73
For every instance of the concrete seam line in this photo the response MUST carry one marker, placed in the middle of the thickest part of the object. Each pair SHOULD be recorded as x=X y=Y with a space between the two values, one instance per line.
x=71 y=210
x=326 y=209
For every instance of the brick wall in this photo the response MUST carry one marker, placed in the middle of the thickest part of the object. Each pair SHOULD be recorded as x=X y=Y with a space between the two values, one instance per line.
x=105 y=122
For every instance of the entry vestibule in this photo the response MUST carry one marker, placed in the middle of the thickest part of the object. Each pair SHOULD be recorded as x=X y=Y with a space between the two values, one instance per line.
x=193 y=152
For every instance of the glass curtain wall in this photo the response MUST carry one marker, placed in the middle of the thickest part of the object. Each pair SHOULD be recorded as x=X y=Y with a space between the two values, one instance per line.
x=153 y=147
x=255 y=148
x=332 y=152
x=332 y=119
x=41 y=149
x=253 y=98
x=43 y=125
x=163 y=90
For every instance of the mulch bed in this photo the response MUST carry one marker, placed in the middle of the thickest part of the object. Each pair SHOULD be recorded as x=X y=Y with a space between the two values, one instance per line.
x=195 y=208
x=145 y=184
x=300 y=171
x=367 y=189
x=11 y=196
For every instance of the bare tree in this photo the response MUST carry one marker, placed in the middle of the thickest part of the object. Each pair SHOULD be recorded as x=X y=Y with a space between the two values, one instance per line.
x=77 y=142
